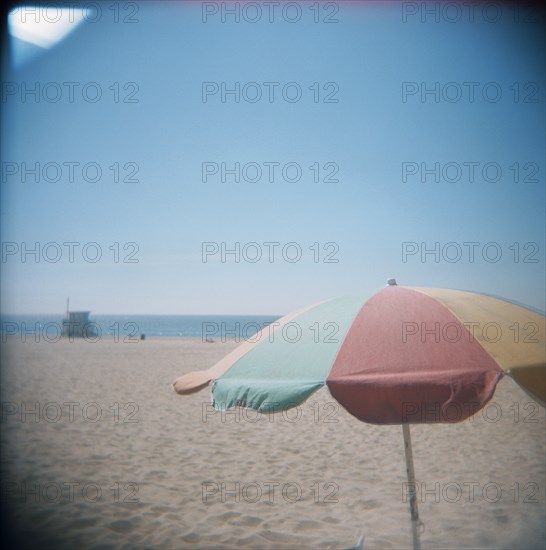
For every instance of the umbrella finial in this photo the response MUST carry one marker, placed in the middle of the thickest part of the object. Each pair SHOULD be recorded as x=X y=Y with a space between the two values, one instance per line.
x=391 y=282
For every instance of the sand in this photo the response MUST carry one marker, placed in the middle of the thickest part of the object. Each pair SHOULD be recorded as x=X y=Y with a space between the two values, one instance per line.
x=315 y=478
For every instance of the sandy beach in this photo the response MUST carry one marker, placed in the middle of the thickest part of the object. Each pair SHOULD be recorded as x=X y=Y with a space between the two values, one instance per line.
x=111 y=457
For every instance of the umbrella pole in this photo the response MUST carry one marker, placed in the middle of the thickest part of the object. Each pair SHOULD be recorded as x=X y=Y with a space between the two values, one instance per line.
x=411 y=486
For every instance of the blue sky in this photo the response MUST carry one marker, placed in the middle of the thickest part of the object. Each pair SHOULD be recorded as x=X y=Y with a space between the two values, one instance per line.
x=369 y=53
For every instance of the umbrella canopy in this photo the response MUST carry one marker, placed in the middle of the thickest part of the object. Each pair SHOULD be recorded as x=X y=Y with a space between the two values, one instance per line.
x=402 y=355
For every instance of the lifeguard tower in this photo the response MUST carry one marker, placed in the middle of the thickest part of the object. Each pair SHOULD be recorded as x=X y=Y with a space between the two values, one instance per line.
x=76 y=324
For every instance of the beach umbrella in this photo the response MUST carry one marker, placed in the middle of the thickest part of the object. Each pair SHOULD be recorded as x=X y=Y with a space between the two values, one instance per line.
x=402 y=355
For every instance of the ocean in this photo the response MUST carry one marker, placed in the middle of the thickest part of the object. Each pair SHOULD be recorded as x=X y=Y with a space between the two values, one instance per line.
x=215 y=327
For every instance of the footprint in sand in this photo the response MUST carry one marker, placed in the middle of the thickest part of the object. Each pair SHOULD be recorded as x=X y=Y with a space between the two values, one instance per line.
x=362 y=504
x=122 y=525
x=162 y=509
x=191 y=537
x=247 y=521
x=82 y=523
x=158 y=473
x=229 y=515
x=501 y=517
x=279 y=538
x=306 y=525
x=330 y=519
